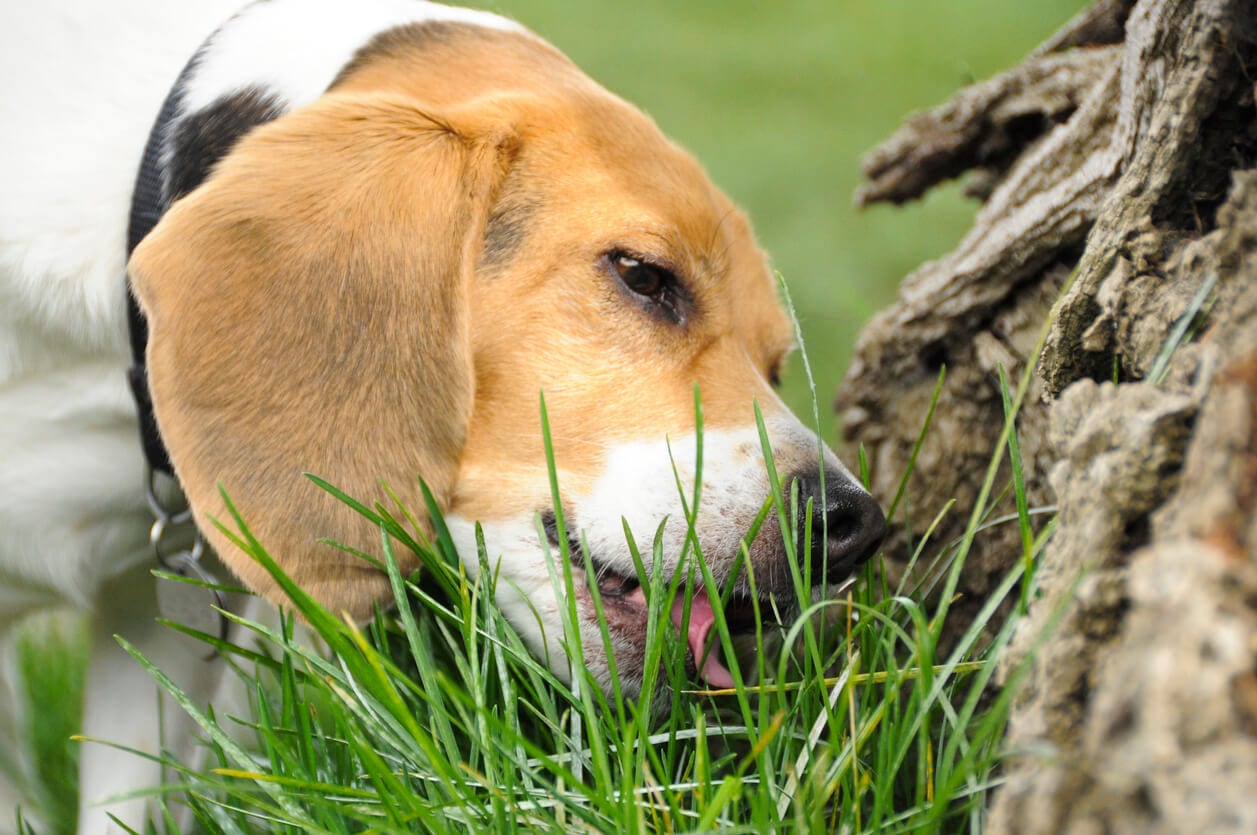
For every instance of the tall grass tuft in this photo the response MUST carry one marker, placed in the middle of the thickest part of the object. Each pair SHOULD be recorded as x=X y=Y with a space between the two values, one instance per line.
x=435 y=716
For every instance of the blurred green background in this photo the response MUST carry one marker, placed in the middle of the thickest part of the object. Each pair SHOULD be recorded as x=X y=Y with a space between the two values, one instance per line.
x=779 y=100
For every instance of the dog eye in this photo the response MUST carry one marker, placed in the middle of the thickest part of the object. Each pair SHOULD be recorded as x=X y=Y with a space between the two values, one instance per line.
x=642 y=277
x=655 y=284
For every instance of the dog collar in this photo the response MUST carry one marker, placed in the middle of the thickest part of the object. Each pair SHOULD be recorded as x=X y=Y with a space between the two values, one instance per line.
x=148 y=204
x=198 y=603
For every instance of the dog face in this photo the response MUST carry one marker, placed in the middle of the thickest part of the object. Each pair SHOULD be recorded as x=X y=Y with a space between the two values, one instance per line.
x=379 y=285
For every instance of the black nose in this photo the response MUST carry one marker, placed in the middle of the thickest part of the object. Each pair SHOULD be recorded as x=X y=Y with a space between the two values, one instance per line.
x=851 y=531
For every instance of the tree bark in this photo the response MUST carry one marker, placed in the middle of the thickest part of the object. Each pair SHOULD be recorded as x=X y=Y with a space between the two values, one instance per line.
x=1118 y=169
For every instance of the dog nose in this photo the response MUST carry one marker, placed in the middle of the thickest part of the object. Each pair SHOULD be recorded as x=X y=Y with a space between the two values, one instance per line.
x=852 y=530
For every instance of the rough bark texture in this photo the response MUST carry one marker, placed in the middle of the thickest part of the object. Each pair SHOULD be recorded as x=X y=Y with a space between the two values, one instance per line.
x=1119 y=169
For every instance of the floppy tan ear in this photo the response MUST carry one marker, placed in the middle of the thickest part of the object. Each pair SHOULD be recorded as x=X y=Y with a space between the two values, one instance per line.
x=307 y=310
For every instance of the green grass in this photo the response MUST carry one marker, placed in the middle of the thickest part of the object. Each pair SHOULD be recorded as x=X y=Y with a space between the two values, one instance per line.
x=437 y=719
x=51 y=655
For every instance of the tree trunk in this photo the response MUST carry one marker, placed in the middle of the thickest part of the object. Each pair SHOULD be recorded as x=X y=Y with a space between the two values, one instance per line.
x=1118 y=169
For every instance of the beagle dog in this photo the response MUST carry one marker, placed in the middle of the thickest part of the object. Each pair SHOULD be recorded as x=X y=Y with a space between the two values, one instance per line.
x=389 y=226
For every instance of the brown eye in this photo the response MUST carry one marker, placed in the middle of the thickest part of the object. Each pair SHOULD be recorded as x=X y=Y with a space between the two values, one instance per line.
x=656 y=287
x=642 y=278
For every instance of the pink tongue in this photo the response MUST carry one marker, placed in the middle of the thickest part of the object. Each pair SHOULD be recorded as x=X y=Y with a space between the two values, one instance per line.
x=701 y=621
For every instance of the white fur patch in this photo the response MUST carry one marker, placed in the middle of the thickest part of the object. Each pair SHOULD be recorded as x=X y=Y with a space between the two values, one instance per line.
x=643 y=483
x=295 y=48
x=525 y=590
x=82 y=85
x=646 y=484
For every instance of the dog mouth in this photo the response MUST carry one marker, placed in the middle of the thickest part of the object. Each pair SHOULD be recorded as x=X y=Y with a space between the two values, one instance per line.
x=626 y=610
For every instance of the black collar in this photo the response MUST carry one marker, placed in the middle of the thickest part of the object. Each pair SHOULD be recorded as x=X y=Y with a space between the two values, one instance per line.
x=148 y=204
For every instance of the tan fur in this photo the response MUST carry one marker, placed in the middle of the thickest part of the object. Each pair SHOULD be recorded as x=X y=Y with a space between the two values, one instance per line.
x=325 y=301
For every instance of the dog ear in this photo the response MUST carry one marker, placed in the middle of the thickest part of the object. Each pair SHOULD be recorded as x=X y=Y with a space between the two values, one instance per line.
x=308 y=312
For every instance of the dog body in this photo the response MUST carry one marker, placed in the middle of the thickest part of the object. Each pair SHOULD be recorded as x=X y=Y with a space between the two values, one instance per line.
x=391 y=225
x=80 y=92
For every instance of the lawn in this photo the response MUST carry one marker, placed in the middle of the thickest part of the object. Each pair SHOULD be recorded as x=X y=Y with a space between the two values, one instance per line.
x=779 y=100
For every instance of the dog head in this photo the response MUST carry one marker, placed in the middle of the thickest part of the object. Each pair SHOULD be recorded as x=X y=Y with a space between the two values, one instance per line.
x=377 y=286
